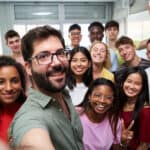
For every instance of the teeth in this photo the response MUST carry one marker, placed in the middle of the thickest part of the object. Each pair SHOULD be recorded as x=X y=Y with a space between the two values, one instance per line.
x=100 y=106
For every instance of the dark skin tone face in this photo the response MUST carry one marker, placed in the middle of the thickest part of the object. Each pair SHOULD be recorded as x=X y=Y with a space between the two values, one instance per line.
x=95 y=34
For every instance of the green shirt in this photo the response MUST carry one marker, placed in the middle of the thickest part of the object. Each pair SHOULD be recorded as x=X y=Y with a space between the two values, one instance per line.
x=42 y=111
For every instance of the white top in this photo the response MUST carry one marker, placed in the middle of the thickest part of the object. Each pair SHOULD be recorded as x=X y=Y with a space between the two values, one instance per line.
x=148 y=76
x=78 y=93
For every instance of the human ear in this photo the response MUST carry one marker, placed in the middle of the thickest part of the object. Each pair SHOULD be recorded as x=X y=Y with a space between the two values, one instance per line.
x=28 y=68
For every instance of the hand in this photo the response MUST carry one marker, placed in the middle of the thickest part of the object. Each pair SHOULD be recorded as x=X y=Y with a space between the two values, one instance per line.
x=3 y=146
x=127 y=134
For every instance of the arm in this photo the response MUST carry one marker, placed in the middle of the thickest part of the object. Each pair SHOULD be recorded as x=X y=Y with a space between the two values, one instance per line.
x=142 y=146
x=3 y=146
x=142 y=44
x=36 y=139
x=116 y=147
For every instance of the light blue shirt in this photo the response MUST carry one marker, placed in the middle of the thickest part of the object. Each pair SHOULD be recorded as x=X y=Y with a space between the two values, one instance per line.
x=114 y=60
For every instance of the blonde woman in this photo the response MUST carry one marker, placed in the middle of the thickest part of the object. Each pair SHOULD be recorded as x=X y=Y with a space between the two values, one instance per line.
x=101 y=61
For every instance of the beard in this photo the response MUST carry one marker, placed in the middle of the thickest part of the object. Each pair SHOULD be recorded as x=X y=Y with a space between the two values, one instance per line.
x=43 y=82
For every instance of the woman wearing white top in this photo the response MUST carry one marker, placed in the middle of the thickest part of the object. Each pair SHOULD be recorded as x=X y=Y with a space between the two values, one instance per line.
x=79 y=74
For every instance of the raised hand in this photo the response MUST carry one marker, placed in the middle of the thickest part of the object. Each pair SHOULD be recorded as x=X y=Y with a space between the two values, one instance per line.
x=127 y=133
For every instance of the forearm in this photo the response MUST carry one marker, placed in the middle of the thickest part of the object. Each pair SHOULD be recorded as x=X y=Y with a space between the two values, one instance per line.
x=142 y=146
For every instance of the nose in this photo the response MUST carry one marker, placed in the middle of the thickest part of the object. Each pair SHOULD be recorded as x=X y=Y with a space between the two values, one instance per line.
x=78 y=62
x=102 y=99
x=8 y=86
x=123 y=52
x=55 y=60
x=131 y=86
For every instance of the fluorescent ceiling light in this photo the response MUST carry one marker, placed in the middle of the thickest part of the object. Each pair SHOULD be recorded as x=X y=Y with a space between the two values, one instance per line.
x=42 y=13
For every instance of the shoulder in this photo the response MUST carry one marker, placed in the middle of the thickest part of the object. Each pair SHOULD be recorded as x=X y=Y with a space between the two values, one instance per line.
x=107 y=74
x=144 y=63
x=145 y=111
x=79 y=110
x=24 y=121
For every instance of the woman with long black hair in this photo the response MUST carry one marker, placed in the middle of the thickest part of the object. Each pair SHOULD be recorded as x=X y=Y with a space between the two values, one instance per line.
x=134 y=107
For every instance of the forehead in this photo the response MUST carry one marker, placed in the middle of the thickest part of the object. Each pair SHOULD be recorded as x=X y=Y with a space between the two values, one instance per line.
x=125 y=45
x=8 y=71
x=135 y=77
x=52 y=44
x=112 y=28
x=102 y=88
x=75 y=30
x=99 y=45
x=96 y=29
x=78 y=55
x=14 y=38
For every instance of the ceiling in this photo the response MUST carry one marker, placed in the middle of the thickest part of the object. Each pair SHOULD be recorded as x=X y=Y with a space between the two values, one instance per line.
x=57 y=0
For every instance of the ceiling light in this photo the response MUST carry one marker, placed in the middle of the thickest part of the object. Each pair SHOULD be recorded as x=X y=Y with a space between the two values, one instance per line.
x=42 y=13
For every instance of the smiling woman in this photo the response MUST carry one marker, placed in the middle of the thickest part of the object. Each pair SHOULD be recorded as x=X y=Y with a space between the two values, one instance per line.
x=134 y=105
x=99 y=115
x=12 y=89
x=79 y=74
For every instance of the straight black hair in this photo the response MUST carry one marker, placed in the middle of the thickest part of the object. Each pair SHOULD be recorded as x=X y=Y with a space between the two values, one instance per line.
x=88 y=75
x=143 y=96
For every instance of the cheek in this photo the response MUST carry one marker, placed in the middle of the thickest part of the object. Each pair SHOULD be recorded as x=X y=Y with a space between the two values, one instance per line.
x=104 y=55
x=139 y=88
x=86 y=65
x=17 y=87
x=125 y=85
x=72 y=65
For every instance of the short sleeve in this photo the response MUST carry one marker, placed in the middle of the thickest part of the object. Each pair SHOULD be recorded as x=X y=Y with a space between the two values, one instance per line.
x=22 y=123
x=118 y=133
x=145 y=125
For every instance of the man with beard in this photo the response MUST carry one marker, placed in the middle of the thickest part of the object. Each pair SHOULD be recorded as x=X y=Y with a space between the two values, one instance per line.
x=47 y=120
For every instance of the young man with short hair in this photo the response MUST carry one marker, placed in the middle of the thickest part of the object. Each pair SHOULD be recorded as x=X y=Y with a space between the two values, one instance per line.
x=112 y=31
x=13 y=41
x=74 y=35
x=127 y=51
x=96 y=31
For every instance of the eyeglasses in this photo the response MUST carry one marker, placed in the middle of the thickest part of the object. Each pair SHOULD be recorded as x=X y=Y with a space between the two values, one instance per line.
x=46 y=57
x=75 y=33
x=99 y=96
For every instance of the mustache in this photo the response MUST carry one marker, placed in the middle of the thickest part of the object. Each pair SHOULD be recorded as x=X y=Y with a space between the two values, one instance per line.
x=56 y=69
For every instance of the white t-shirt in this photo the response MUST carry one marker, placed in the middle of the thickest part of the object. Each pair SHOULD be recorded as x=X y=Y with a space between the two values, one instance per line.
x=78 y=93
x=148 y=76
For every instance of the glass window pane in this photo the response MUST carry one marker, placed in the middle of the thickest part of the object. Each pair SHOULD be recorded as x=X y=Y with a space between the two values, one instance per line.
x=36 y=12
x=1 y=51
x=20 y=29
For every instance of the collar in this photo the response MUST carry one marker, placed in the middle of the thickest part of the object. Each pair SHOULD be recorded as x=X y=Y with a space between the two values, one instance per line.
x=39 y=97
x=42 y=98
